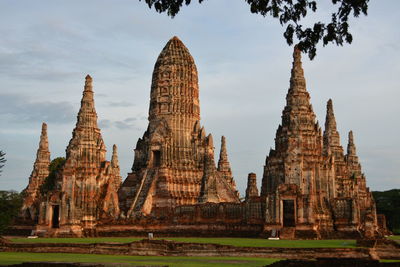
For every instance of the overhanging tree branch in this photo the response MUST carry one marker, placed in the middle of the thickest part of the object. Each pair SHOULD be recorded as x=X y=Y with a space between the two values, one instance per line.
x=290 y=13
x=2 y=160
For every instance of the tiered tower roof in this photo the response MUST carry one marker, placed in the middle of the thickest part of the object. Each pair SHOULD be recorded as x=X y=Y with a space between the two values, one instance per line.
x=331 y=135
x=87 y=145
x=174 y=89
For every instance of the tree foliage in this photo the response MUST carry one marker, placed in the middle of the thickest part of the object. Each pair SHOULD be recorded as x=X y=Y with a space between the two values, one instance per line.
x=50 y=181
x=290 y=13
x=388 y=203
x=10 y=205
x=2 y=160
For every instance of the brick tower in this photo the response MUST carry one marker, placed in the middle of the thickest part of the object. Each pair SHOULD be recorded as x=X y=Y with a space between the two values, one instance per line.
x=174 y=160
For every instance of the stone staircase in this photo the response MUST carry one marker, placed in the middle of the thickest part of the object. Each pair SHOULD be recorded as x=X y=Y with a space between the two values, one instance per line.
x=143 y=191
x=287 y=233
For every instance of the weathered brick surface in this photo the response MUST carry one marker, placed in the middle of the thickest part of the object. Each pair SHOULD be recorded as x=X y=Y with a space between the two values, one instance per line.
x=308 y=183
x=174 y=160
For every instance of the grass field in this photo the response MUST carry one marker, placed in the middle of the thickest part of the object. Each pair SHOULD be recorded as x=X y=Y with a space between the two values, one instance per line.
x=19 y=257
x=239 y=242
x=395 y=238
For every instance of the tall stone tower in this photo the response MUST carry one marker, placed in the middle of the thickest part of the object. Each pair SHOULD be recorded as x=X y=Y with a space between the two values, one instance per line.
x=174 y=158
x=311 y=189
x=294 y=183
x=86 y=186
x=30 y=207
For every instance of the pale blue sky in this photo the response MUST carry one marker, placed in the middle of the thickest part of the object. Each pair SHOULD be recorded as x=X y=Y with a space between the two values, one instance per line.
x=47 y=48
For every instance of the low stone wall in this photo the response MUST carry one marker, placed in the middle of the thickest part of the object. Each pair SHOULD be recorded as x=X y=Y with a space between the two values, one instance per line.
x=188 y=230
x=170 y=248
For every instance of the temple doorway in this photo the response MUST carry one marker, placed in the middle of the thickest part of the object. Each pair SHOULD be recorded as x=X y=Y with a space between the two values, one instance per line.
x=156 y=158
x=56 y=213
x=288 y=213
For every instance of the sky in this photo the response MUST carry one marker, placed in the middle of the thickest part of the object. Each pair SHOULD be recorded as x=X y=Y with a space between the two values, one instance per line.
x=48 y=46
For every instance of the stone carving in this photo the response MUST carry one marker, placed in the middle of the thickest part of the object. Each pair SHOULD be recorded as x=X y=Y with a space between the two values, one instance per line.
x=86 y=187
x=30 y=207
x=174 y=160
x=308 y=182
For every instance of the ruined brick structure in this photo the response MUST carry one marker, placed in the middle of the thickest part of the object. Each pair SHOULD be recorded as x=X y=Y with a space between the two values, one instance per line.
x=32 y=195
x=310 y=187
x=86 y=186
x=174 y=160
x=251 y=190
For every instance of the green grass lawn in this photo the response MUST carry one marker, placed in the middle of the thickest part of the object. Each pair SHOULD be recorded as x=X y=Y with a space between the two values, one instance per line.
x=77 y=240
x=19 y=257
x=395 y=238
x=239 y=242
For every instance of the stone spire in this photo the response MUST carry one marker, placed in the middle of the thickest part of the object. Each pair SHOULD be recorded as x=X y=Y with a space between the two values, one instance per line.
x=251 y=190
x=214 y=188
x=223 y=164
x=115 y=167
x=87 y=116
x=298 y=108
x=351 y=147
x=43 y=153
x=39 y=173
x=42 y=162
x=331 y=135
x=297 y=80
x=298 y=141
x=87 y=144
x=114 y=157
x=351 y=158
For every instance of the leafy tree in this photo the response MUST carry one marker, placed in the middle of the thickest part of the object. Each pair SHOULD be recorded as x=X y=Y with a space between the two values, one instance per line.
x=50 y=181
x=10 y=205
x=2 y=160
x=289 y=13
x=388 y=203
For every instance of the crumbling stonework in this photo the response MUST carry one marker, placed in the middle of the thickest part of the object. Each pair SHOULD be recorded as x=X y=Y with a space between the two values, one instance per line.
x=86 y=187
x=309 y=185
x=174 y=160
x=251 y=190
x=30 y=207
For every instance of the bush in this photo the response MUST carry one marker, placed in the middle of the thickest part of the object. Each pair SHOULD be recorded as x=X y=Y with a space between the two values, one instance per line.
x=10 y=205
x=50 y=181
x=388 y=203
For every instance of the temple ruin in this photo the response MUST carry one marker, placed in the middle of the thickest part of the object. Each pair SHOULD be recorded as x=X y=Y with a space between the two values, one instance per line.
x=310 y=187
x=174 y=160
x=85 y=189
x=32 y=194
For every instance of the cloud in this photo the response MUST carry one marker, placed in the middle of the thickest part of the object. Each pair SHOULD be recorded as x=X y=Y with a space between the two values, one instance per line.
x=104 y=124
x=20 y=109
x=131 y=119
x=128 y=123
x=120 y=104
